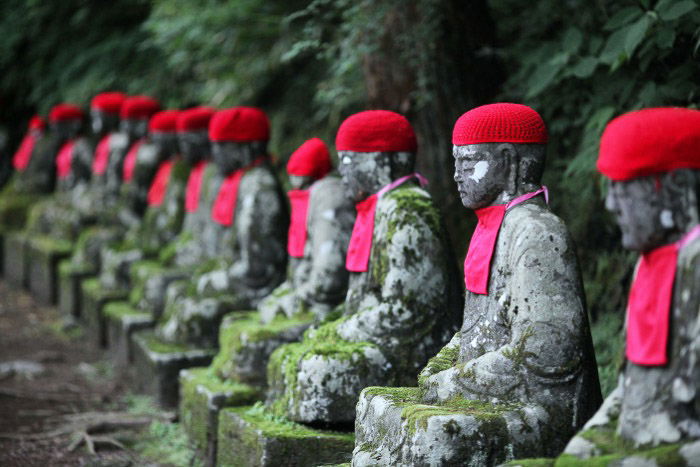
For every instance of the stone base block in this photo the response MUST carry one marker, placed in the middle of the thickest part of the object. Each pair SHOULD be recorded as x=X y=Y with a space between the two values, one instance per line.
x=70 y=278
x=251 y=436
x=15 y=260
x=43 y=256
x=122 y=321
x=394 y=427
x=203 y=395
x=93 y=299
x=158 y=364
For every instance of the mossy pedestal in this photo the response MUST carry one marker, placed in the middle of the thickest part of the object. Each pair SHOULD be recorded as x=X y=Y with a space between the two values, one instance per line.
x=122 y=321
x=158 y=364
x=93 y=299
x=394 y=427
x=43 y=256
x=70 y=278
x=252 y=437
x=15 y=258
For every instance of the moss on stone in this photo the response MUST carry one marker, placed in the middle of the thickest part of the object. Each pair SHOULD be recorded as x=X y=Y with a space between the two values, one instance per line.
x=94 y=289
x=444 y=360
x=119 y=310
x=272 y=425
x=531 y=463
x=48 y=243
x=14 y=209
x=67 y=268
x=159 y=346
x=167 y=254
x=140 y=271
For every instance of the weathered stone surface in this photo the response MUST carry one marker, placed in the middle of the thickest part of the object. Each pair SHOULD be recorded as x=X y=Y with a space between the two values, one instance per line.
x=93 y=299
x=15 y=266
x=251 y=436
x=69 y=291
x=122 y=321
x=43 y=257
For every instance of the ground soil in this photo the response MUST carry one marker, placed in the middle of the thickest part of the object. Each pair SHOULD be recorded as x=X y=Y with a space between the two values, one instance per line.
x=76 y=379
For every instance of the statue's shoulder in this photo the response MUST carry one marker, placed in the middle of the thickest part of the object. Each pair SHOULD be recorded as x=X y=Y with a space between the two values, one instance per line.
x=329 y=193
x=533 y=225
x=410 y=205
x=118 y=141
x=260 y=178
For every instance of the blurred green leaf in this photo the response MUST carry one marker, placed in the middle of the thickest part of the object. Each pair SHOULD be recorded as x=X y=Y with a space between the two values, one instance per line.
x=585 y=67
x=635 y=34
x=674 y=10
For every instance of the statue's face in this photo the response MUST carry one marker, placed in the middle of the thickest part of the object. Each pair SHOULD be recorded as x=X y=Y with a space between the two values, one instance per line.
x=194 y=145
x=363 y=173
x=102 y=122
x=639 y=210
x=299 y=182
x=165 y=141
x=67 y=129
x=134 y=127
x=481 y=173
x=228 y=156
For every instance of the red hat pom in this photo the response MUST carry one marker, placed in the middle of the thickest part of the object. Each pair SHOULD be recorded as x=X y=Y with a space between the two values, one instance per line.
x=62 y=112
x=194 y=119
x=311 y=159
x=240 y=124
x=139 y=107
x=164 y=121
x=650 y=141
x=37 y=123
x=376 y=130
x=500 y=123
x=108 y=102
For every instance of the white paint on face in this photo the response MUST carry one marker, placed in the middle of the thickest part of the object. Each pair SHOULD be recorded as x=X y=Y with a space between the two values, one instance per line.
x=666 y=218
x=480 y=169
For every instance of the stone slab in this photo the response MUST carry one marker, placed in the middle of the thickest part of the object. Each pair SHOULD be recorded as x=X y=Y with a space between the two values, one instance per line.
x=252 y=437
x=93 y=299
x=122 y=321
x=15 y=258
x=69 y=293
x=158 y=364
x=43 y=257
x=203 y=395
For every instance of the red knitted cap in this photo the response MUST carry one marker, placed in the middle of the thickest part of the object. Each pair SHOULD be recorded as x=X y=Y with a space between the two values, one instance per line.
x=311 y=159
x=196 y=118
x=37 y=123
x=239 y=124
x=108 y=102
x=650 y=141
x=139 y=107
x=63 y=112
x=500 y=123
x=376 y=130
x=164 y=121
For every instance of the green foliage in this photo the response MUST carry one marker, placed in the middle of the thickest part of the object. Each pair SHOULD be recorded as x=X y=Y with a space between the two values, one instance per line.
x=608 y=339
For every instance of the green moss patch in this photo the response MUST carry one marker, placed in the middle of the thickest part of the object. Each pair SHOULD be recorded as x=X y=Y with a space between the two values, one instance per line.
x=444 y=360
x=140 y=271
x=50 y=244
x=156 y=345
x=119 y=310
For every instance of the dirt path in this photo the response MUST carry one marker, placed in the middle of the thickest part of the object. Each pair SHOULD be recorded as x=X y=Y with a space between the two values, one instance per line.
x=54 y=373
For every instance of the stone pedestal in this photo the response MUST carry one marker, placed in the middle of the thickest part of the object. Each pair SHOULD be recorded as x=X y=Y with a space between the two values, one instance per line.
x=158 y=364
x=203 y=395
x=93 y=299
x=43 y=256
x=15 y=260
x=253 y=437
x=70 y=278
x=122 y=321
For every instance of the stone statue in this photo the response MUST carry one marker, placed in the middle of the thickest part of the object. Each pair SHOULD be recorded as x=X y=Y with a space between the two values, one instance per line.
x=317 y=240
x=520 y=377
x=651 y=159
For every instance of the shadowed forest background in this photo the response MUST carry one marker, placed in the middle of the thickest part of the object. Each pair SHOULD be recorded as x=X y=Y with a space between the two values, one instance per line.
x=310 y=64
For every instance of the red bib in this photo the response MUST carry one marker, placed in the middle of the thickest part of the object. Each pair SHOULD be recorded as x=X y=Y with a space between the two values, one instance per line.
x=224 y=207
x=21 y=159
x=159 y=186
x=101 y=158
x=130 y=161
x=194 y=187
x=477 y=265
x=296 y=239
x=64 y=159
x=649 y=304
x=360 y=246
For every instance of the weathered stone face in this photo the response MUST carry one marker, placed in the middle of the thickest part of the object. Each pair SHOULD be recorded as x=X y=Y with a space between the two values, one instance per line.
x=194 y=146
x=365 y=173
x=134 y=128
x=230 y=156
x=103 y=122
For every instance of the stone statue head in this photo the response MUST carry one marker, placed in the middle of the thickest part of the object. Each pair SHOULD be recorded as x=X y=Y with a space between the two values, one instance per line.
x=135 y=128
x=103 y=122
x=230 y=156
x=66 y=129
x=652 y=161
x=194 y=145
x=375 y=147
x=310 y=162
x=164 y=142
x=135 y=113
x=239 y=135
x=300 y=182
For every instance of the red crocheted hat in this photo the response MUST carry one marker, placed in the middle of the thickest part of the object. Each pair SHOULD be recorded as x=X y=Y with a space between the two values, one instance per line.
x=239 y=124
x=311 y=159
x=108 y=102
x=164 y=121
x=139 y=107
x=376 y=130
x=63 y=112
x=500 y=123
x=650 y=141
x=37 y=123
x=196 y=118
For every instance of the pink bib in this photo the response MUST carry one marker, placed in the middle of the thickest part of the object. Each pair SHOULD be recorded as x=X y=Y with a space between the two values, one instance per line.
x=21 y=159
x=360 y=247
x=296 y=238
x=130 y=161
x=159 y=186
x=224 y=207
x=101 y=158
x=64 y=159
x=649 y=304
x=194 y=187
x=477 y=265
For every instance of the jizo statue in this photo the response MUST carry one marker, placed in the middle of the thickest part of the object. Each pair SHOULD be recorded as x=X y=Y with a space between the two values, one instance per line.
x=651 y=158
x=520 y=377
